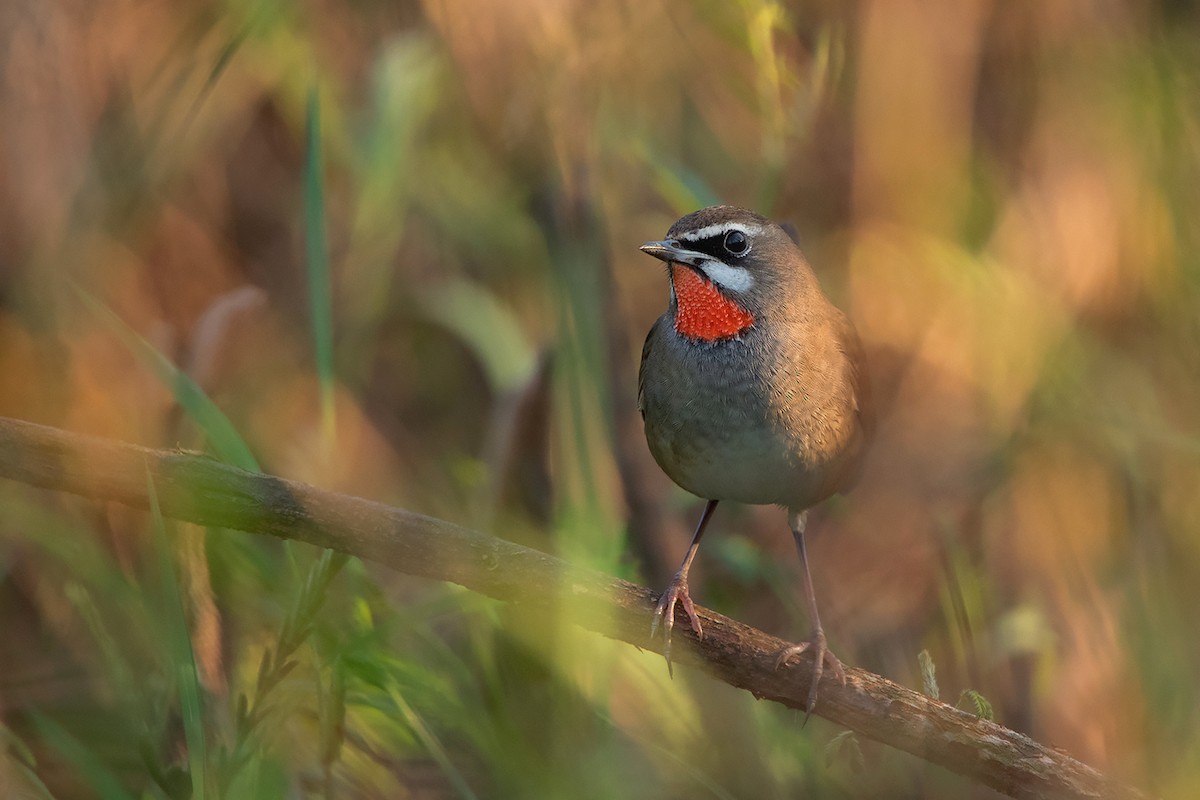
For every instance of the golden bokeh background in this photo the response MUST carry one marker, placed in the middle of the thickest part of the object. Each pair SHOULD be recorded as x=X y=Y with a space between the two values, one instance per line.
x=396 y=244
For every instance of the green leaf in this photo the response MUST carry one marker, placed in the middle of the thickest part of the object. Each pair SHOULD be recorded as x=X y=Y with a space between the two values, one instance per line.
x=983 y=709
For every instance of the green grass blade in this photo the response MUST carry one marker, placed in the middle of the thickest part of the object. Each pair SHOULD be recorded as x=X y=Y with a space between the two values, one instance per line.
x=98 y=777
x=220 y=432
x=18 y=758
x=488 y=328
x=180 y=647
x=665 y=755
x=317 y=250
x=684 y=189
x=432 y=745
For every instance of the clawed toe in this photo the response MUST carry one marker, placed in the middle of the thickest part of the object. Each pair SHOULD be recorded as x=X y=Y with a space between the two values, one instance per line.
x=822 y=657
x=664 y=615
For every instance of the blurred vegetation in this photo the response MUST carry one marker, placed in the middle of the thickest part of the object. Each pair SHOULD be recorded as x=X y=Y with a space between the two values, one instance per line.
x=390 y=248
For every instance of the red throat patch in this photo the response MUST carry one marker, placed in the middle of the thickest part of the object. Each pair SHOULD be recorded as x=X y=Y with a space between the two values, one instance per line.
x=703 y=312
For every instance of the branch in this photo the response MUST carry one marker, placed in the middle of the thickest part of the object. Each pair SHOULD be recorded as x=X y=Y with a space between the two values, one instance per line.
x=199 y=489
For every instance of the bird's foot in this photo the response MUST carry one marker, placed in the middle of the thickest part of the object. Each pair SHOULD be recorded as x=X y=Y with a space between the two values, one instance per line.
x=664 y=615
x=822 y=657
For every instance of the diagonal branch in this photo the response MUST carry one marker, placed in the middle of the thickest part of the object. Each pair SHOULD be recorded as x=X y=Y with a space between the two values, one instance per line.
x=204 y=491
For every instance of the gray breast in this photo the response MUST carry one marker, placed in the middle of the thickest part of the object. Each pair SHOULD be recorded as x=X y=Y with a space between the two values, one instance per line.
x=714 y=425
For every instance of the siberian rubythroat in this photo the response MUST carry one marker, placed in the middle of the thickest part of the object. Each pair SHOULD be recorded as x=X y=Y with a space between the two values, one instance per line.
x=753 y=389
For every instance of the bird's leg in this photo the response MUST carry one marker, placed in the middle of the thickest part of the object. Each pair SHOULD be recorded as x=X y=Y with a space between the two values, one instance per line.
x=677 y=592
x=816 y=642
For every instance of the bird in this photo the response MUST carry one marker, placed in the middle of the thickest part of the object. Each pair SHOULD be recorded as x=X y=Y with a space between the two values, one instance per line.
x=752 y=389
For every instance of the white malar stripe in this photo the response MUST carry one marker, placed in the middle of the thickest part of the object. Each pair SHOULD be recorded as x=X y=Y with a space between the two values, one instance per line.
x=735 y=279
x=720 y=229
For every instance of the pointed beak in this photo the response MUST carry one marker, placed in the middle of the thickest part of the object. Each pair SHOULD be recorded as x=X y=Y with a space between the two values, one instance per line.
x=668 y=250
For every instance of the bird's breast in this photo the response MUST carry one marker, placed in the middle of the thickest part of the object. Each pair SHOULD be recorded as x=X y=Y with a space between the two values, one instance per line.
x=726 y=421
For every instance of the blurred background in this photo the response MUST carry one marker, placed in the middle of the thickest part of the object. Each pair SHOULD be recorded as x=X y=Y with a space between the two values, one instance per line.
x=390 y=248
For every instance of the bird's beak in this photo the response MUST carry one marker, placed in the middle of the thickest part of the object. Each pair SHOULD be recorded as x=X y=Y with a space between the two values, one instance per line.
x=668 y=250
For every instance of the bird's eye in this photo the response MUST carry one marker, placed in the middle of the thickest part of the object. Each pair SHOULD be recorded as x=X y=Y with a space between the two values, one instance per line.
x=737 y=243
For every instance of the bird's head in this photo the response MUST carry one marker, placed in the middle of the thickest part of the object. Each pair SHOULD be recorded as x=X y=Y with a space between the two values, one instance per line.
x=728 y=268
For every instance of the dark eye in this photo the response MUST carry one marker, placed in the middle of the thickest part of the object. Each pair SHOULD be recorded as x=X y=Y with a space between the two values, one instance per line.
x=737 y=243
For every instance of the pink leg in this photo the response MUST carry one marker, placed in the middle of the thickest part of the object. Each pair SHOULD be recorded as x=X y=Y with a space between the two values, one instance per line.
x=816 y=642
x=677 y=592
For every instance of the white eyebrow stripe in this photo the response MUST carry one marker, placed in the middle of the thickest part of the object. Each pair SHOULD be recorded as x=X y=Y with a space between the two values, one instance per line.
x=720 y=229
x=735 y=279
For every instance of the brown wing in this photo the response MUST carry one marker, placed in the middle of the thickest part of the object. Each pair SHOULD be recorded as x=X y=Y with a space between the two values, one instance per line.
x=864 y=406
x=860 y=381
